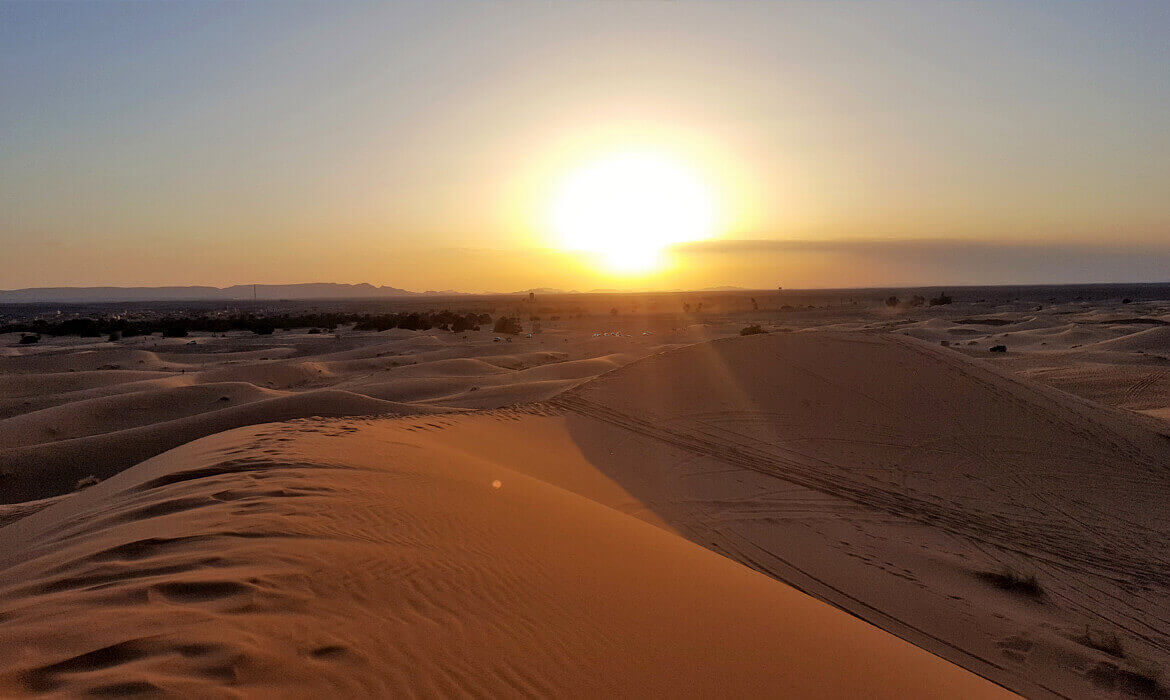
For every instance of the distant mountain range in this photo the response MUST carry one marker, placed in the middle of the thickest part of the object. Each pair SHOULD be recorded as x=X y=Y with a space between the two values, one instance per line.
x=242 y=292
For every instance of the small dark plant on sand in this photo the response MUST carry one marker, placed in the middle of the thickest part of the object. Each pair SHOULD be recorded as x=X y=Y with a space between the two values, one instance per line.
x=507 y=324
x=29 y=339
x=1009 y=579
x=1107 y=642
x=752 y=330
x=1139 y=677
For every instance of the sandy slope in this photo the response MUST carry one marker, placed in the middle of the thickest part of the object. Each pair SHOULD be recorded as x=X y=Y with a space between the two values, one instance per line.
x=37 y=471
x=898 y=479
x=348 y=557
x=68 y=407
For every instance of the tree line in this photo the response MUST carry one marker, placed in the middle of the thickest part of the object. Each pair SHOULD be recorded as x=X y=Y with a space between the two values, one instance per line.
x=181 y=326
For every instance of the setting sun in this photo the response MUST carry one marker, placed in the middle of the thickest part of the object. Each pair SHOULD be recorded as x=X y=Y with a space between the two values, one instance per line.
x=628 y=207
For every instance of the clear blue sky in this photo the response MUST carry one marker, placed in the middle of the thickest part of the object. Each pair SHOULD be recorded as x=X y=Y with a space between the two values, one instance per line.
x=418 y=145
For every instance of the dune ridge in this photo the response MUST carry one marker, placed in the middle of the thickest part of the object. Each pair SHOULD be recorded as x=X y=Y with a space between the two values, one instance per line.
x=79 y=407
x=362 y=557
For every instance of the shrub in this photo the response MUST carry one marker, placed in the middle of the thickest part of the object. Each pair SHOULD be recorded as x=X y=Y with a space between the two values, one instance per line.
x=508 y=324
x=941 y=300
x=29 y=338
x=115 y=336
x=1142 y=678
x=1010 y=580
x=752 y=330
x=1107 y=642
x=892 y=301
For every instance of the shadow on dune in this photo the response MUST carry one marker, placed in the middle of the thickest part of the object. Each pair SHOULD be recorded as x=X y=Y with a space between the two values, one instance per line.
x=887 y=477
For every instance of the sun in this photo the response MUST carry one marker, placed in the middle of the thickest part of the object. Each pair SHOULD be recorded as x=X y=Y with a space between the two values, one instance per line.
x=627 y=207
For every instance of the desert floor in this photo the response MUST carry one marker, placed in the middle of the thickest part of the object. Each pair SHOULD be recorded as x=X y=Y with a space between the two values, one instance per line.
x=860 y=501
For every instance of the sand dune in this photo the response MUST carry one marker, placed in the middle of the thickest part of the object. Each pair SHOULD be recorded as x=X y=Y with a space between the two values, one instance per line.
x=506 y=394
x=331 y=558
x=35 y=385
x=868 y=465
x=83 y=360
x=56 y=417
x=37 y=471
x=1149 y=340
x=122 y=411
x=908 y=476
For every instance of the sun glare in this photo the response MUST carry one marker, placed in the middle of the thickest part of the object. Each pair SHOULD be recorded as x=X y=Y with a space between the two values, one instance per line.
x=629 y=206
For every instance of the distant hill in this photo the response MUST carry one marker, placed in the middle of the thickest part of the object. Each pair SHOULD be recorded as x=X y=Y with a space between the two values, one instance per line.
x=323 y=290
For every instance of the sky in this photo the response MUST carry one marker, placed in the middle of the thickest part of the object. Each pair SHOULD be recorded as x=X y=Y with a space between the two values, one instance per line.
x=435 y=145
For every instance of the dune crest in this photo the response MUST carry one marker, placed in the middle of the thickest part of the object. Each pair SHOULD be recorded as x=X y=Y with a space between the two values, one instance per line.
x=368 y=557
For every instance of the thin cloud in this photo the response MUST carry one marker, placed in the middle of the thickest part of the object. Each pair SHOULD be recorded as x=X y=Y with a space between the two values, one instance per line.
x=951 y=261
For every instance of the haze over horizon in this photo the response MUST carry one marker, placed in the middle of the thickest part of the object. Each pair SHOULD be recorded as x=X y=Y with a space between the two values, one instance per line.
x=643 y=146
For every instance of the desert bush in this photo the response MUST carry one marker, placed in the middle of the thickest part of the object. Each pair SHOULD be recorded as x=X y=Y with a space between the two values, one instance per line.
x=83 y=327
x=115 y=336
x=892 y=301
x=1107 y=642
x=941 y=300
x=1141 y=678
x=752 y=330
x=508 y=324
x=1010 y=580
x=29 y=338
